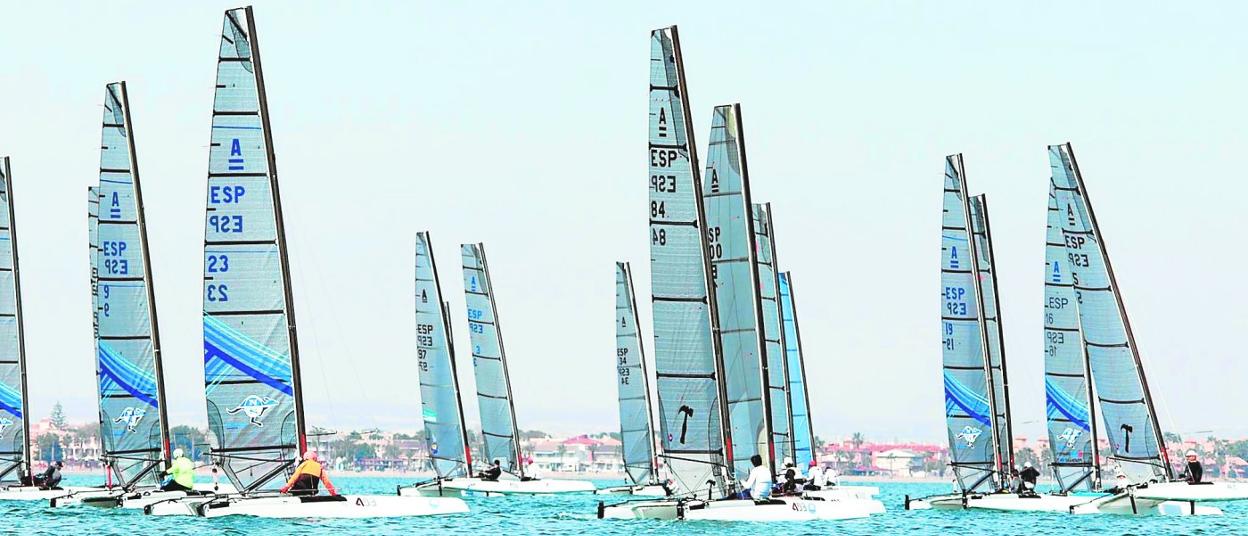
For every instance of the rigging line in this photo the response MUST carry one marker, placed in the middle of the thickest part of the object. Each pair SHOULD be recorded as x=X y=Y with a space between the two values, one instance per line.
x=296 y=253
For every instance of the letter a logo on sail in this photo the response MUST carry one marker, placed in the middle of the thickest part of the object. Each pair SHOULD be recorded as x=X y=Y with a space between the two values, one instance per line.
x=235 y=148
x=953 y=256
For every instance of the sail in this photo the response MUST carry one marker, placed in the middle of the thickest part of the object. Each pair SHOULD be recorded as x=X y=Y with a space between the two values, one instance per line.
x=1121 y=388
x=1067 y=392
x=799 y=396
x=773 y=335
x=982 y=232
x=489 y=363
x=687 y=367
x=133 y=429
x=968 y=410
x=14 y=428
x=250 y=350
x=729 y=230
x=441 y=407
x=636 y=432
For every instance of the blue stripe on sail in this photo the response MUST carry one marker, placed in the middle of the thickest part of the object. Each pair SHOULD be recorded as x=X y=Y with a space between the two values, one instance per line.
x=10 y=400
x=232 y=127
x=960 y=397
x=117 y=371
x=225 y=346
x=1057 y=401
x=127 y=183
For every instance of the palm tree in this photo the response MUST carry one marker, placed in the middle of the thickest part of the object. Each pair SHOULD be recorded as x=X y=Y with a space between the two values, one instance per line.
x=857 y=440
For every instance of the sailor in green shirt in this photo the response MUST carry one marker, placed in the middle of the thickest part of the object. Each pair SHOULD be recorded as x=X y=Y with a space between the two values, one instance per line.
x=181 y=473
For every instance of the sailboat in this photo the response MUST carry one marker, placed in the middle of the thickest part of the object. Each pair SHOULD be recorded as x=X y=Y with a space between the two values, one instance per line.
x=799 y=397
x=494 y=397
x=442 y=409
x=251 y=353
x=1145 y=482
x=636 y=413
x=696 y=402
x=134 y=428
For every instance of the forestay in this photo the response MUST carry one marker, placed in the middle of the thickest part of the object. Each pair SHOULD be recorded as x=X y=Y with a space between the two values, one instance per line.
x=799 y=396
x=1067 y=392
x=133 y=427
x=686 y=358
x=251 y=366
x=441 y=407
x=968 y=410
x=1121 y=388
x=14 y=428
x=729 y=230
x=773 y=335
x=991 y=318
x=489 y=363
x=636 y=432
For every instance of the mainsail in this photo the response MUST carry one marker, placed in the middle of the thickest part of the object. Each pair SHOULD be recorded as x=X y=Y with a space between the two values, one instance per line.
x=14 y=408
x=441 y=407
x=498 y=412
x=134 y=429
x=1130 y=417
x=686 y=354
x=1067 y=391
x=773 y=334
x=251 y=359
x=799 y=395
x=636 y=428
x=991 y=316
x=968 y=408
x=729 y=229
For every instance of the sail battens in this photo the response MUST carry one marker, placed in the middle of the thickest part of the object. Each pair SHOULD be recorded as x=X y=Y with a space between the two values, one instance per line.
x=498 y=413
x=777 y=375
x=251 y=351
x=636 y=414
x=14 y=402
x=441 y=406
x=1115 y=368
x=688 y=363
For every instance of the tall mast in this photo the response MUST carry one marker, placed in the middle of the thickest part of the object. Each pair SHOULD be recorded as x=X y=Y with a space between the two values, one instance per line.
x=296 y=374
x=983 y=326
x=784 y=361
x=147 y=276
x=21 y=330
x=450 y=349
x=498 y=332
x=1007 y=444
x=1122 y=311
x=711 y=302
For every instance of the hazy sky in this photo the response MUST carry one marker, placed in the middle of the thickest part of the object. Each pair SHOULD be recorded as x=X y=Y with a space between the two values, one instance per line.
x=523 y=125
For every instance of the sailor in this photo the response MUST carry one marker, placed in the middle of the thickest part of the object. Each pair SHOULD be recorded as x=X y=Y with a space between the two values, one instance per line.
x=492 y=474
x=788 y=482
x=1016 y=483
x=832 y=477
x=814 y=477
x=1194 y=471
x=308 y=477
x=181 y=473
x=51 y=477
x=758 y=484
x=1029 y=475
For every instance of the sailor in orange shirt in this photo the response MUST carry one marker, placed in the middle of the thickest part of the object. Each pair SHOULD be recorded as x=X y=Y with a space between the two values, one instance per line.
x=308 y=477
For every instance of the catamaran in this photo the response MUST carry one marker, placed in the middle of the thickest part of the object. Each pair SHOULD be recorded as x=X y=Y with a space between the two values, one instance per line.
x=494 y=398
x=702 y=404
x=442 y=408
x=1144 y=481
x=251 y=351
x=636 y=413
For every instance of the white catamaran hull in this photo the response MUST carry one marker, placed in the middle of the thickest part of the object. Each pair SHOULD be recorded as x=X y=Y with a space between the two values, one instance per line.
x=35 y=493
x=1182 y=491
x=1004 y=502
x=843 y=492
x=1126 y=503
x=636 y=491
x=476 y=486
x=140 y=498
x=342 y=506
x=779 y=509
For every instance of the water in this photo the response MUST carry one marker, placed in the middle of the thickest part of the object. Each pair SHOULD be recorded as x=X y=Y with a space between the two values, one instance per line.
x=514 y=516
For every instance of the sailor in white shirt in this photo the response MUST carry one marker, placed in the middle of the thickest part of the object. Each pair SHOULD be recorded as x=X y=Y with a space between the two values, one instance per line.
x=760 y=480
x=814 y=476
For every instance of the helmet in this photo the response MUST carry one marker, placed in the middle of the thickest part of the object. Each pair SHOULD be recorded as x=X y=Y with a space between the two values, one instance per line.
x=1016 y=467
x=177 y=453
x=1191 y=453
x=814 y=463
x=788 y=461
x=1027 y=464
x=310 y=455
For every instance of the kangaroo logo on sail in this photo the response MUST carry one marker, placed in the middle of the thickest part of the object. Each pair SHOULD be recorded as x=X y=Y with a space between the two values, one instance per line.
x=130 y=417
x=254 y=407
x=4 y=425
x=1069 y=437
x=969 y=434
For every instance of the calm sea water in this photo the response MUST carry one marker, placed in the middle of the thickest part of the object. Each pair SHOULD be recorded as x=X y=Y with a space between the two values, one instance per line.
x=575 y=515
